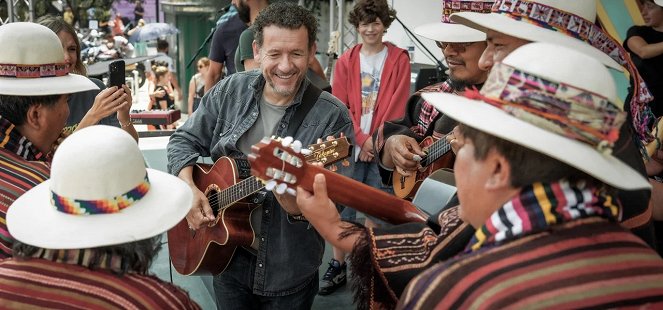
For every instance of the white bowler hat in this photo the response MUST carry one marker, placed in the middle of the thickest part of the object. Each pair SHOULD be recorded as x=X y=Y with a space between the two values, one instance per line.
x=32 y=63
x=560 y=22
x=99 y=194
x=533 y=96
x=449 y=31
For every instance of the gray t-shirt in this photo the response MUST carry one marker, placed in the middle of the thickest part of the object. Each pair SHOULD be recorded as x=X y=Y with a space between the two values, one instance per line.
x=265 y=126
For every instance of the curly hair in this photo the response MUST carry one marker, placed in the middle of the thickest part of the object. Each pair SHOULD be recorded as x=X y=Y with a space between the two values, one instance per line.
x=285 y=15
x=57 y=24
x=368 y=11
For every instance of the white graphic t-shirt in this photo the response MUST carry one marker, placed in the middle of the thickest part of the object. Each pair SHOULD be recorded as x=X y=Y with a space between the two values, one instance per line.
x=371 y=70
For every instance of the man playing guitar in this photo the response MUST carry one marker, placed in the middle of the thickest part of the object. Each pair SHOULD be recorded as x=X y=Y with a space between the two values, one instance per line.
x=397 y=141
x=237 y=113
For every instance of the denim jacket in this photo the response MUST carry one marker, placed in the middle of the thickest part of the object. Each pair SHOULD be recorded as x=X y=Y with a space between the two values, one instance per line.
x=290 y=253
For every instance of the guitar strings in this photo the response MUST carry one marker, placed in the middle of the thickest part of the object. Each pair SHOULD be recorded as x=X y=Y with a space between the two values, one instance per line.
x=236 y=192
x=436 y=150
x=242 y=189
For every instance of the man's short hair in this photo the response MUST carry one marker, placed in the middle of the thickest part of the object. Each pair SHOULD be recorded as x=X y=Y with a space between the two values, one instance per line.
x=15 y=108
x=527 y=166
x=285 y=15
x=367 y=11
x=162 y=45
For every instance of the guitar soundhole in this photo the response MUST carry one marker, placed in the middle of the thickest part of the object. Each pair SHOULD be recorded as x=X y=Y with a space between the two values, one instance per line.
x=212 y=194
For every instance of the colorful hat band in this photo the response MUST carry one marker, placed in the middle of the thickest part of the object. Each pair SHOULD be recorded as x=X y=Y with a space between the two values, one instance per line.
x=112 y=205
x=561 y=108
x=577 y=27
x=455 y=6
x=33 y=71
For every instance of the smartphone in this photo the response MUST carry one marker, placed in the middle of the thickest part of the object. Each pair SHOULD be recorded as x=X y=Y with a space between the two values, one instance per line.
x=116 y=69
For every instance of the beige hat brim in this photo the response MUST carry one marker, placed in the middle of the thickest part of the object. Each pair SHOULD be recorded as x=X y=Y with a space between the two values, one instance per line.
x=530 y=32
x=445 y=32
x=68 y=84
x=32 y=219
x=491 y=120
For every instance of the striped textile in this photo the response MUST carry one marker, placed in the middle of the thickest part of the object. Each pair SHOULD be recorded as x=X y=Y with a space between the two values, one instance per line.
x=42 y=284
x=589 y=263
x=552 y=246
x=21 y=168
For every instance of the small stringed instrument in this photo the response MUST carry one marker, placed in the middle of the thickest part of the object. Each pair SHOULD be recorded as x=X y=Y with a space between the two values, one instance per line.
x=332 y=54
x=438 y=156
x=228 y=185
x=653 y=146
x=271 y=161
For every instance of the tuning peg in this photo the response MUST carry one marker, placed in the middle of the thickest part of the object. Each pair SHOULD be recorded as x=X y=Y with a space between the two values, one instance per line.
x=296 y=146
x=291 y=191
x=286 y=141
x=306 y=152
x=270 y=185
x=281 y=188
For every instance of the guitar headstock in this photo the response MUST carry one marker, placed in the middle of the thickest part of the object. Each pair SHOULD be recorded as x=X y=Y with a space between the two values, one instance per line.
x=328 y=152
x=334 y=36
x=283 y=162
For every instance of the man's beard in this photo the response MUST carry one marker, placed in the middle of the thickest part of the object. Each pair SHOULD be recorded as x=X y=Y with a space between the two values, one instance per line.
x=282 y=91
x=460 y=85
x=244 y=12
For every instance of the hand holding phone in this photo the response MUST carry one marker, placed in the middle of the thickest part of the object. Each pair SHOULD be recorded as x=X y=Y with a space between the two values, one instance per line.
x=116 y=69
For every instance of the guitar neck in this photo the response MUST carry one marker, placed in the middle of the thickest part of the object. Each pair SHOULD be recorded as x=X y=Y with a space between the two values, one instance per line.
x=364 y=198
x=330 y=66
x=435 y=151
x=239 y=191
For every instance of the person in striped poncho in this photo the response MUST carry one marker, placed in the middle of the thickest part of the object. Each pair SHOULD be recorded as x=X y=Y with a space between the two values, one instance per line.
x=536 y=179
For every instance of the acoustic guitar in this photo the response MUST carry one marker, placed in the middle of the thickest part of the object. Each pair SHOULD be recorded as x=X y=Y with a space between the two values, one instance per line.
x=229 y=187
x=437 y=157
x=271 y=161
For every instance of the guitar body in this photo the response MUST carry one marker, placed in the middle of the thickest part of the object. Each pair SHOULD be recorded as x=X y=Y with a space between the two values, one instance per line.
x=208 y=250
x=406 y=186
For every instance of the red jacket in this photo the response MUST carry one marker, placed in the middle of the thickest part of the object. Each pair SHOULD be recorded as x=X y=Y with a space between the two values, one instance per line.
x=393 y=93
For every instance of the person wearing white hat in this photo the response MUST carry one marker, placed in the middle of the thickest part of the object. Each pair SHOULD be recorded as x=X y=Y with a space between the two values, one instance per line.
x=86 y=237
x=34 y=86
x=513 y=23
x=535 y=177
x=397 y=142
x=537 y=180
x=382 y=283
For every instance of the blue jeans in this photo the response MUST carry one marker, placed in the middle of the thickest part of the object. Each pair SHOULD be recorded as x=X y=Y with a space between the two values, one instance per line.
x=367 y=173
x=233 y=288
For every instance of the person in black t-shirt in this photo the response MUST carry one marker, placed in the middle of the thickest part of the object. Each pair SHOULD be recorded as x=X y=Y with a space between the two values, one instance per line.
x=645 y=44
x=139 y=11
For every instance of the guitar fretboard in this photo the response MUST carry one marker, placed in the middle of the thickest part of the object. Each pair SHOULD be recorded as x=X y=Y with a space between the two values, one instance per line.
x=238 y=192
x=435 y=151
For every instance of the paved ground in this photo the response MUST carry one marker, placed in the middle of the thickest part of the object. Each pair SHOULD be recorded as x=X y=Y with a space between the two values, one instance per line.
x=200 y=288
